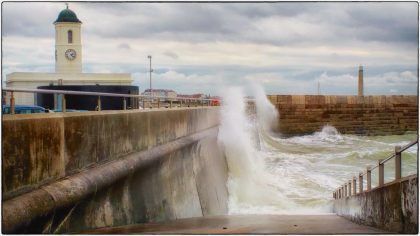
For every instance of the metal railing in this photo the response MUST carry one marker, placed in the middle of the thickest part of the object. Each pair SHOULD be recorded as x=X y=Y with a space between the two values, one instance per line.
x=187 y=102
x=348 y=189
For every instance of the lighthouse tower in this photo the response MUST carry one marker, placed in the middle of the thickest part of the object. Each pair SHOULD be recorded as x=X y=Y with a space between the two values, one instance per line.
x=360 y=83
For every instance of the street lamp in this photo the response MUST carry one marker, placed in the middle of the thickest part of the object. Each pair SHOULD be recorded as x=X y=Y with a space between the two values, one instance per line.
x=150 y=70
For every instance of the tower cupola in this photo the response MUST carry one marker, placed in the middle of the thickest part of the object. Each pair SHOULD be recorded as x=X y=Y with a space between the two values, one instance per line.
x=67 y=15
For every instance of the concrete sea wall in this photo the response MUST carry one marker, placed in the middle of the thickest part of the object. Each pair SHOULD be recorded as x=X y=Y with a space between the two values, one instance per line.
x=392 y=207
x=77 y=171
x=365 y=115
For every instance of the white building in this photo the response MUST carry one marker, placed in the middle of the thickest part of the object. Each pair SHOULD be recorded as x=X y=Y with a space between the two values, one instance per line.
x=68 y=63
x=161 y=93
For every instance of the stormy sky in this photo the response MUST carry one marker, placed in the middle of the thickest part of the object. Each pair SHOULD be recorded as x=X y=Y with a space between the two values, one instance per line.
x=199 y=47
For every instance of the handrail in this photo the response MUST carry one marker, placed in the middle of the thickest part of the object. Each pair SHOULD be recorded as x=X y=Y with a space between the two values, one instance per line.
x=400 y=150
x=187 y=101
x=408 y=146
x=72 y=92
x=345 y=189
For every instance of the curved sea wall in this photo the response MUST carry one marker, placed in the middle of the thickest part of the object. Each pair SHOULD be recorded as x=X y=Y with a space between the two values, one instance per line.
x=77 y=171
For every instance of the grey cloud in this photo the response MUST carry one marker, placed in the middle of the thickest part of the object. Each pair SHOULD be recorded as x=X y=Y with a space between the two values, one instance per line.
x=345 y=25
x=171 y=54
x=376 y=21
x=29 y=18
x=173 y=19
x=326 y=23
x=125 y=46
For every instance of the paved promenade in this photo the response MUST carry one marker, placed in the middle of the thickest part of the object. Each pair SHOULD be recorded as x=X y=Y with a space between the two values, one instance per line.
x=247 y=224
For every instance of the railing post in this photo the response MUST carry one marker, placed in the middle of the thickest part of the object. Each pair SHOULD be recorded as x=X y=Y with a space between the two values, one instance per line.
x=99 y=103
x=381 y=173
x=397 y=163
x=349 y=188
x=360 y=182
x=345 y=190
x=158 y=100
x=3 y=99
x=170 y=104
x=12 y=103
x=354 y=185
x=136 y=101
x=143 y=104
x=369 y=179
x=339 y=192
x=63 y=103
x=125 y=104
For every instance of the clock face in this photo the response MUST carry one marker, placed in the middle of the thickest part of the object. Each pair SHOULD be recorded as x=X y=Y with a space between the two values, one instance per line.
x=70 y=54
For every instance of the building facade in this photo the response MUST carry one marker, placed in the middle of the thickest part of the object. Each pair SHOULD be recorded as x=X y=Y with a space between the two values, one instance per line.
x=160 y=93
x=68 y=63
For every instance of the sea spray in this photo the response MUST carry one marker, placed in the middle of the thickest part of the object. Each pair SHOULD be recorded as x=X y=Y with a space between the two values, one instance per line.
x=234 y=133
x=267 y=117
x=293 y=175
x=247 y=184
x=235 y=137
x=267 y=114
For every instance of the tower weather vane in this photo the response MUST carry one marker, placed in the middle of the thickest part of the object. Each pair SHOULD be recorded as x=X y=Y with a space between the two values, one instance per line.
x=67 y=5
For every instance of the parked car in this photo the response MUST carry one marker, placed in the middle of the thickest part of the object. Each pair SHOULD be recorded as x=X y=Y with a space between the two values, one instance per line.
x=24 y=109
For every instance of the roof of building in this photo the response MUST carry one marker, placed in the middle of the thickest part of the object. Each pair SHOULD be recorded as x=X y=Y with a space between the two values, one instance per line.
x=197 y=95
x=67 y=15
x=159 y=90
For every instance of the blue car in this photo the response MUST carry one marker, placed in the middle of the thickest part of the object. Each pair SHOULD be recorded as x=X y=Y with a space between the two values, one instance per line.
x=24 y=109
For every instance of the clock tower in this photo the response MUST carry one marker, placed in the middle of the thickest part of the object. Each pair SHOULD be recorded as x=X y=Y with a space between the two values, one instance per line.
x=68 y=43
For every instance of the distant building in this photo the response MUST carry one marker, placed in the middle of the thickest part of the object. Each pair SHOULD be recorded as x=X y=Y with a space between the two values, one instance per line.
x=68 y=64
x=161 y=93
x=194 y=96
x=215 y=100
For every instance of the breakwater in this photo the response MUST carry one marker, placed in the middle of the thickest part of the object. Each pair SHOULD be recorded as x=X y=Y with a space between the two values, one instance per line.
x=77 y=171
x=364 y=115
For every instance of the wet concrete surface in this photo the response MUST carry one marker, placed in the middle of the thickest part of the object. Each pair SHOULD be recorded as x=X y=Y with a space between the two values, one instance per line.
x=247 y=224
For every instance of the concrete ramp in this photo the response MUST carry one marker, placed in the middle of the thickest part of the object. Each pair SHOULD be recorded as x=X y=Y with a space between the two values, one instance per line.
x=247 y=224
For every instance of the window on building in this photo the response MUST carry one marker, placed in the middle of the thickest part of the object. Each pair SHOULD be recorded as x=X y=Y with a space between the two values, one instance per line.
x=70 y=36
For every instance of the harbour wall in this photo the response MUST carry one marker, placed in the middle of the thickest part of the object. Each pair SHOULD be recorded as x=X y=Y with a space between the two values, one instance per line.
x=392 y=207
x=77 y=171
x=364 y=115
